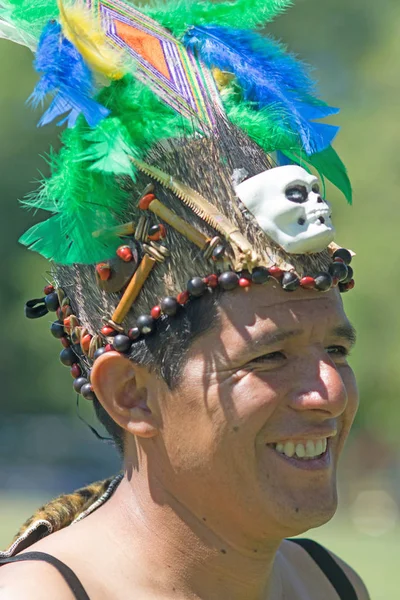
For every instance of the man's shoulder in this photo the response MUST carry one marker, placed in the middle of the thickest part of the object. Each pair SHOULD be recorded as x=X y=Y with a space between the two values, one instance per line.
x=296 y=554
x=353 y=576
x=36 y=580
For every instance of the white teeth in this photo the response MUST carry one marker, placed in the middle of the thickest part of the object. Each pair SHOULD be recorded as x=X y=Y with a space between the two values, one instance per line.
x=311 y=449
x=288 y=449
x=300 y=450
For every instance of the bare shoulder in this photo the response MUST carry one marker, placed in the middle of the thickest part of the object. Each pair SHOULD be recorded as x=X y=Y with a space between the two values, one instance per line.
x=301 y=561
x=357 y=582
x=34 y=580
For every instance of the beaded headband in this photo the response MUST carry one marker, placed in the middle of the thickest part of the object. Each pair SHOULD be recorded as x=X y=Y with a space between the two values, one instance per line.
x=188 y=153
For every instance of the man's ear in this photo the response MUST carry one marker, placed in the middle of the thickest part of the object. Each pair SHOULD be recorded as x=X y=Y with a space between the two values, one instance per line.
x=120 y=386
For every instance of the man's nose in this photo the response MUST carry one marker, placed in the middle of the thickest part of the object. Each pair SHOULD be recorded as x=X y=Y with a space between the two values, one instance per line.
x=320 y=386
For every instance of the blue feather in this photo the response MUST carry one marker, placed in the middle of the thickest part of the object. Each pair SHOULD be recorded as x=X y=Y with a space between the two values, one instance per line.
x=269 y=77
x=65 y=74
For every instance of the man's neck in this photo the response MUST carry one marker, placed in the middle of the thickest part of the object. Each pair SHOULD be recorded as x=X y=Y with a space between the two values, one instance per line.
x=181 y=553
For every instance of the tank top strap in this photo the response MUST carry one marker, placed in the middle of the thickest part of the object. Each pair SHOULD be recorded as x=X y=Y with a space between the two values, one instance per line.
x=66 y=572
x=335 y=574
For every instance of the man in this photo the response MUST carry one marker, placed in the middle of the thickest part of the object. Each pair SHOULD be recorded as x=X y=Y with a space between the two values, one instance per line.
x=204 y=322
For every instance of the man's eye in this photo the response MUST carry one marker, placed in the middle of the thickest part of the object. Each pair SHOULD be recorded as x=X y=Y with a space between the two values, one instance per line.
x=270 y=357
x=338 y=351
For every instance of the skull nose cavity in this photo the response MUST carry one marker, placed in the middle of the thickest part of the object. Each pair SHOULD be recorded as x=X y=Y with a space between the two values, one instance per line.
x=319 y=200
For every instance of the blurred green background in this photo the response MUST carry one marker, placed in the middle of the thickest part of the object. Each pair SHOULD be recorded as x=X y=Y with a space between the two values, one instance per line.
x=45 y=449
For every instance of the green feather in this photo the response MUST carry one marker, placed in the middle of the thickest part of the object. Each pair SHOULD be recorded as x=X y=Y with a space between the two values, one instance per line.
x=29 y=16
x=109 y=149
x=83 y=191
x=177 y=16
x=330 y=165
x=81 y=201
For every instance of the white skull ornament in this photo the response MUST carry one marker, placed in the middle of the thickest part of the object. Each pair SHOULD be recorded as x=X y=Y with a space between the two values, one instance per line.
x=287 y=205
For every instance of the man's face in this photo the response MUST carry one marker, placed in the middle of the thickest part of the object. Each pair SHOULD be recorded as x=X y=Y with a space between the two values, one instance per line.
x=273 y=371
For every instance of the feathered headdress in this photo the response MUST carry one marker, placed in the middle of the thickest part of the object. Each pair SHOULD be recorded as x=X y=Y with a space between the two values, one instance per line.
x=123 y=80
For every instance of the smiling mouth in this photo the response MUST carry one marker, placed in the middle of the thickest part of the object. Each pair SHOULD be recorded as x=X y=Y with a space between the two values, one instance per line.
x=305 y=453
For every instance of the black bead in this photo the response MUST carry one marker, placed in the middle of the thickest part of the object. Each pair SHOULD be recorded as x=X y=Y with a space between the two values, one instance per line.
x=260 y=275
x=98 y=353
x=323 y=282
x=51 y=302
x=36 y=308
x=134 y=333
x=218 y=252
x=343 y=254
x=349 y=276
x=154 y=230
x=338 y=270
x=169 y=306
x=343 y=288
x=228 y=280
x=78 y=383
x=68 y=357
x=145 y=324
x=196 y=286
x=57 y=329
x=87 y=392
x=290 y=282
x=122 y=343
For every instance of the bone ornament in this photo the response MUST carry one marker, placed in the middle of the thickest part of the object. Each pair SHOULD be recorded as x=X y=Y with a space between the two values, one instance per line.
x=287 y=205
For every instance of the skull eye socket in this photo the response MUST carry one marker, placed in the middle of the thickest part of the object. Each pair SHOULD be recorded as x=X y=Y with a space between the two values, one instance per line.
x=315 y=188
x=297 y=193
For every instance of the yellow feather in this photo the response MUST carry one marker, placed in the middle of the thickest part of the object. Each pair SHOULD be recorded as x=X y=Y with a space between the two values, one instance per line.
x=81 y=28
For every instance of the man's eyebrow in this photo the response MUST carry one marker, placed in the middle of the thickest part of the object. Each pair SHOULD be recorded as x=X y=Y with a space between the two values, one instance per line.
x=273 y=337
x=345 y=331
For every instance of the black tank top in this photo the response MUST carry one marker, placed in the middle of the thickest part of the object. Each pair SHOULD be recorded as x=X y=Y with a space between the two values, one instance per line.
x=324 y=560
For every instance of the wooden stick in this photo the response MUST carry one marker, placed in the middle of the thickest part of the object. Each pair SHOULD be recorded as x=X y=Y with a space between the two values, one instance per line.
x=167 y=215
x=124 y=229
x=133 y=289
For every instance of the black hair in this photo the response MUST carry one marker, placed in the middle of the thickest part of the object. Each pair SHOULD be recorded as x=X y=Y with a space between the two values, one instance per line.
x=165 y=351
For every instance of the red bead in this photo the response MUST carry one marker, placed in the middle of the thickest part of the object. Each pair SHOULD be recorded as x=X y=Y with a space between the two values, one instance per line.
x=335 y=281
x=156 y=237
x=156 y=312
x=145 y=202
x=109 y=347
x=163 y=231
x=125 y=253
x=85 y=342
x=275 y=272
x=183 y=297
x=244 y=283
x=107 y=330
x=76 y=371
x=338 y=259
x=307 y=283
x=65 y=342
x=67 y=322
x=103 y=271
x=350 y=284
x=212 y=281
x=49 y=289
